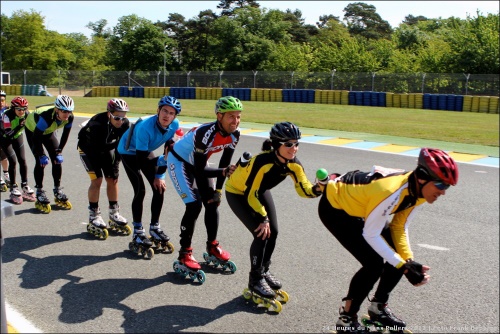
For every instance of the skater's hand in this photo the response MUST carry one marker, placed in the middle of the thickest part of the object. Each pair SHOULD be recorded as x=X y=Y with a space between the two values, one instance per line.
x=416 y=273
x=44 y=160
x=217 y=197
x=59 y=159
x=228 y=170
x=263 y=230
x=160 y=185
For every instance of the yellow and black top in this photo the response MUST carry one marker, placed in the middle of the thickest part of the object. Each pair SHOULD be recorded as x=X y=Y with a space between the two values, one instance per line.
x=377 y=196
x=263 y=172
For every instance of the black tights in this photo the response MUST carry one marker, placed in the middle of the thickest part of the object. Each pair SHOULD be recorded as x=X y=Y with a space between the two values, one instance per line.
x=14 y=148
x=349 y=232
x=261 y=251
x=51 y=143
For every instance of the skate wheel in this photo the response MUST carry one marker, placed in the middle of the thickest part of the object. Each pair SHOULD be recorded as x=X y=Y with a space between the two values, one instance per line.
x=149 y=253
x=132 y=247
x=4 y=188
x=104 y=234
x=200 y=276
x=274 y=306
x=256 y=299
x=232 y=266
x=127 y=230
x=175 y=266
x=282 y=296
x=247 y=294
x=169 y=247
x=206 y=257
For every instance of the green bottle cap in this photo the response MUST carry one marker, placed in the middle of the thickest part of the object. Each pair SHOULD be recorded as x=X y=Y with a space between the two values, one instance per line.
x=321 y=174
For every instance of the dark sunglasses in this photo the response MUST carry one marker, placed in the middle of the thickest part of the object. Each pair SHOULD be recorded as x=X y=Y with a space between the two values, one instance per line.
x=21 y=108
x=290 y=144
x=65 y=111
x=441 y=185
x=118 y=118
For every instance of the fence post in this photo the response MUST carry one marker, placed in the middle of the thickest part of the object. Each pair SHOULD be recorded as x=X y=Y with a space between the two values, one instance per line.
x=466 y=82
x=158 y=78
x=373 y=81
x=24 y=71
x=254 y=78
x=59 y=77
x=128 y=75
x=331 y=81
x=220 y=78
x=187 y=78
x=423 y=82
x=291 y=79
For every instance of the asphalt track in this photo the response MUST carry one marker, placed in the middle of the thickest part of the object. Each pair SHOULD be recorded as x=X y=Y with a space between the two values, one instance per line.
x=59 y=279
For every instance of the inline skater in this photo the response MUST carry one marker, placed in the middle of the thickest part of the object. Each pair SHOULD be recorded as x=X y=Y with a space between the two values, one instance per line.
x=12 y=125
x=137 y=146
x=97 y=143
x=192 y=178
x=3 y=158
x=248 y=192
x=40 y=132
x=357 y=207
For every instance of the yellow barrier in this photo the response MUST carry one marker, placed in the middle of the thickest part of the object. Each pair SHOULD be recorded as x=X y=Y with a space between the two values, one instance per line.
x=411 y=101
x=484 y=102
x=344 y=97
x=419 y=100
x=389 y=99
x=475 y=104
x=337 y=97
x=493 y=105
x=467 y=106
x=116 y=91
x=396 y=100
x=404 y=100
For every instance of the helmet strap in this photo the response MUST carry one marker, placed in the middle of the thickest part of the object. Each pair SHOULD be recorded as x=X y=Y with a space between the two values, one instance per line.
x=221 y=129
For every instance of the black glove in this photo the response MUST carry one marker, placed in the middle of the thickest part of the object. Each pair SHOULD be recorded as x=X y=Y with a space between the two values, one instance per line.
x=413 y=272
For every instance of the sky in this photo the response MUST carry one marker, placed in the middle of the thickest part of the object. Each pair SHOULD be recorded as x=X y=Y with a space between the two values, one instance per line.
x=72 y=16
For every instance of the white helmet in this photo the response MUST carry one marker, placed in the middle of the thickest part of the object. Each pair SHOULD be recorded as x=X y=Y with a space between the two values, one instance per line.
x=64 y=102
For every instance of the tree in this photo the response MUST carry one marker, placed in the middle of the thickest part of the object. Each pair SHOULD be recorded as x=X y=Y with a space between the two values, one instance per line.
x=363 y=20
x=228 y=6
x=99 y=28
x=413 y=20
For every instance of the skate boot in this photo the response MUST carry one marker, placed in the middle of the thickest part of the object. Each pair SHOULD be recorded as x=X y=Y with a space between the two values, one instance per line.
x=261 y=293
x=15 y=195
x=42 y=201
x=276 y=285
x=6 y=177
x=159 y=239
x=219 y=257
x=186 y=265
x=140 y=244
x=61 y=199
x=28 y=193
x=117 y=222
x=349 y=324
x=96 y=225
x=381 y=317
x=3 y=185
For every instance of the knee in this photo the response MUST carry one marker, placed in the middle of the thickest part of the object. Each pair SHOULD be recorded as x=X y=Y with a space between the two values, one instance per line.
x=194 y=208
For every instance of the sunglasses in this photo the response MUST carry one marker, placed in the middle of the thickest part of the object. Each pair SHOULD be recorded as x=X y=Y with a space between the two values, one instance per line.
x=290 y=144
x=441 y=185
x=21 y=108
x=118 y=118
x=65 y=111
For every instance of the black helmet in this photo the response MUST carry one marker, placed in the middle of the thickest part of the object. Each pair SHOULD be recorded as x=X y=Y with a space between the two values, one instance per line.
x=284 y=131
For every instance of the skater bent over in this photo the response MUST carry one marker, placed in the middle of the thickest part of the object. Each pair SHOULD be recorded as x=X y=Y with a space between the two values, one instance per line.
x=3 y=158
x=356 y=208
x=248 y=193
x=40 y=132
x=191 y=175
x=97 y=143
x=12 y=125
x=136 y=148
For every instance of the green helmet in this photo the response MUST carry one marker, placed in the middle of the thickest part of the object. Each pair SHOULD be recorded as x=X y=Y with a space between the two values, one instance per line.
x=228 y=103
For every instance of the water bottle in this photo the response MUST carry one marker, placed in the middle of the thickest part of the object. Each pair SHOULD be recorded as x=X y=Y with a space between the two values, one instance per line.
x=322 y=176
x=245 y=157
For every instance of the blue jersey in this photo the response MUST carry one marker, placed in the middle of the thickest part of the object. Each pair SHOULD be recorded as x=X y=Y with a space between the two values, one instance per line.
x=147 y=136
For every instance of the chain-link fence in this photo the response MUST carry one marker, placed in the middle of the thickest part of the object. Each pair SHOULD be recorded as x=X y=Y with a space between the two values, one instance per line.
x=433 y=83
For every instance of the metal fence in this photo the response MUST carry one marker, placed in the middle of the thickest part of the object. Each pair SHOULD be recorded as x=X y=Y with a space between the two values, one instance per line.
x=433 y=83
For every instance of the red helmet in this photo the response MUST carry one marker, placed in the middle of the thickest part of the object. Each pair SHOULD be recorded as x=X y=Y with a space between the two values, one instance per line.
x=19 y=102
x=117 y=105
x=438 y=165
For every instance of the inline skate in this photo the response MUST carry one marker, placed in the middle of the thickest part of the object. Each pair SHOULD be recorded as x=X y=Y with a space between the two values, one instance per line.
x=28 y=193
x=159 y=239
x=348 y=324
x=219 y=257
x=383 y=320
x=61 y=199
x=261 y=293
x=15 y=195
x=117 y=222
x=42 y=202
x=96 y=225
x=3 y=185
x=281 y=295
x=140 y=244
x=186 y=265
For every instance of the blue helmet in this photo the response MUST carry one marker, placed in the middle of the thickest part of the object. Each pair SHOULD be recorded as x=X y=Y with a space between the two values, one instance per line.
x=172 y=102
x=64 y=102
